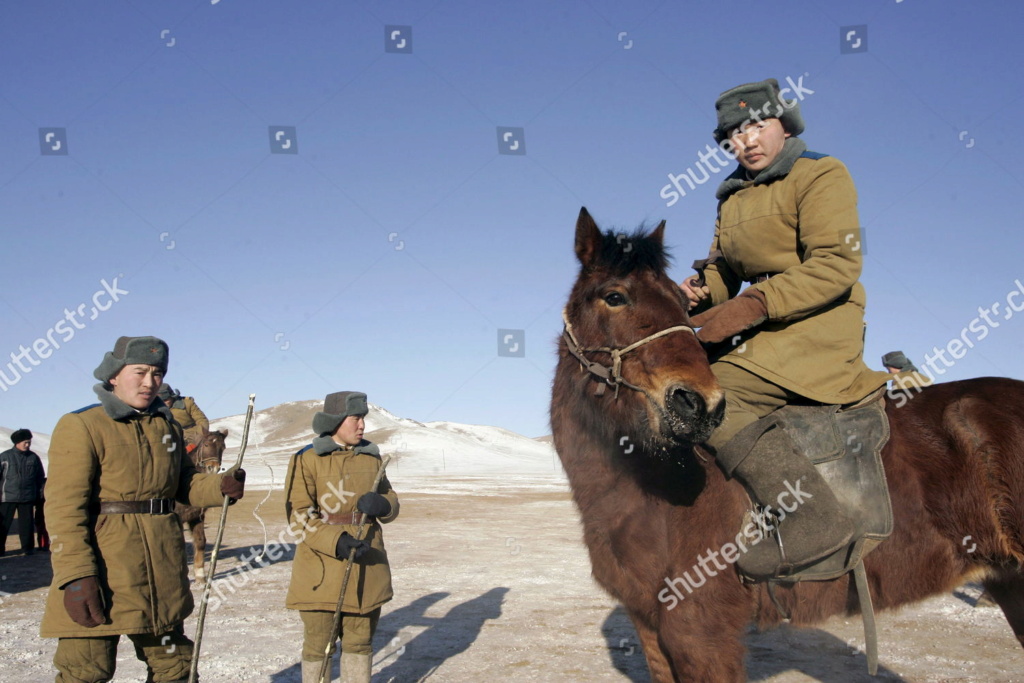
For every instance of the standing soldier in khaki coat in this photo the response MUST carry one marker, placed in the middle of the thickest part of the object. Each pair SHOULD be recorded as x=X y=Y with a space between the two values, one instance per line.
x=187 y=413
x=787 y=225
x=328 y=485
x=117 y=552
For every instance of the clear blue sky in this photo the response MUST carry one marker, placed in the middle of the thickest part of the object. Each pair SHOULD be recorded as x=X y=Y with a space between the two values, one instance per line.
x=386 y=254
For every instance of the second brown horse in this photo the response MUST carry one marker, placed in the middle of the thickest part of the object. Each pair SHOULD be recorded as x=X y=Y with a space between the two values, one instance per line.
x=206 y=457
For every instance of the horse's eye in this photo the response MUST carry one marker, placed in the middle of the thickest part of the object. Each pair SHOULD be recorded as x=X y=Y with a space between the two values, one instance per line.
x=614 y=299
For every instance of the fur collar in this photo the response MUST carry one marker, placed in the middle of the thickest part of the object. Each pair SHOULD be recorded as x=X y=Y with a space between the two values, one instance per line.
x=116 y=409
x=780 y=168
x=325 y=445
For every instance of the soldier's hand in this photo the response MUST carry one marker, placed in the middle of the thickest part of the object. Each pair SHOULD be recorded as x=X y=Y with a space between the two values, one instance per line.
x=374 y=504
x=232 y=484
x=83 y=602
x=345 y=545
x=717 y=324
x=694 y=293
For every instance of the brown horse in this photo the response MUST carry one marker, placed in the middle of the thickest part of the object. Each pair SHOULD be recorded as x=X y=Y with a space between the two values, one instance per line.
x=206 y=457
x=652 y=503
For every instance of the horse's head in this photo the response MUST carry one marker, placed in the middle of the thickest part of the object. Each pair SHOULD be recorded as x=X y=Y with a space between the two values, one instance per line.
x=209 y=451
x=627 y=327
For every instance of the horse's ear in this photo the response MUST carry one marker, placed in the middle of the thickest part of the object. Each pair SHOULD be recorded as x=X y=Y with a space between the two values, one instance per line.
x=588 y=238
x=658 y=234
x=224 y=432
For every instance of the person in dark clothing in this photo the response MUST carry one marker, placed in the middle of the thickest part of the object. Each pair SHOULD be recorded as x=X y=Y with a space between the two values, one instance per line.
x=42 y=535
x=21 y=487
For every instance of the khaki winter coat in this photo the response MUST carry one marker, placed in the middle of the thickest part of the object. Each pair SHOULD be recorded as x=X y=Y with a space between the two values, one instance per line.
x=191 y=418
x=803 y=230
x=333 y=481
x=111 y=452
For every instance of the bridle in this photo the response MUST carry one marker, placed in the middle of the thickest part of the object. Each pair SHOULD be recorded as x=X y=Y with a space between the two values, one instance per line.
x=611 y=374
x=202 y=463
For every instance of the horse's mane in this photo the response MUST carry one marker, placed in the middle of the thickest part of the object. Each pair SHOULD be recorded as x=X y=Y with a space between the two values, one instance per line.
x=622 y=253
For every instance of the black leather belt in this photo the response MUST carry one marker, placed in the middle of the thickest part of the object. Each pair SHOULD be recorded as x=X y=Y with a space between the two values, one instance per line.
x=153 y=506
x=761 y=278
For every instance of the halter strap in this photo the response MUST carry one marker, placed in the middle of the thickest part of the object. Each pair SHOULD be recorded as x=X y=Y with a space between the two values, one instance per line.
x=199 y=451
x=611 y=374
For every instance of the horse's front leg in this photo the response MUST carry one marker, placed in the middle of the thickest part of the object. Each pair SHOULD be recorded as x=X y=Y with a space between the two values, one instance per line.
x=199 y=546
x=1007 y=589
x=703 y=634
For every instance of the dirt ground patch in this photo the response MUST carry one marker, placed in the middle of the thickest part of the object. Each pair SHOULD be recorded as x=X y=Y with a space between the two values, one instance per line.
x=493 y=583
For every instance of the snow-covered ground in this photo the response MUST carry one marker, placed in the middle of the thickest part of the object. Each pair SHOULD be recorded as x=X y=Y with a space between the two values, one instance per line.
x=496 y=587
x=492 y=583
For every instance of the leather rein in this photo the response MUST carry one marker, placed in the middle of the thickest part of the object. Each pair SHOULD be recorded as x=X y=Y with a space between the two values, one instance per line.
x=611 y=374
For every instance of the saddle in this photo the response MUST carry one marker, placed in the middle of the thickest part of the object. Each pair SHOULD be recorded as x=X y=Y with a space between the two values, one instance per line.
x=845 y=444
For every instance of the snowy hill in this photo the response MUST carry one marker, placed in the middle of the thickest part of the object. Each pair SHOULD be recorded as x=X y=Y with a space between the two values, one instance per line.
x=418 y=450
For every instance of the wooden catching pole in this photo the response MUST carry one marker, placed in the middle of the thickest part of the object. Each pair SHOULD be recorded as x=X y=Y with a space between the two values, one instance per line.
x=193 y=673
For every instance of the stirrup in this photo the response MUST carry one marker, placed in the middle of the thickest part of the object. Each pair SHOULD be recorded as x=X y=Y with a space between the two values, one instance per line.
x=767 y=522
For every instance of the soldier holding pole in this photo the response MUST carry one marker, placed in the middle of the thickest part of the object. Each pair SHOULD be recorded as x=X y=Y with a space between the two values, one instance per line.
x=330 y=488
x=117 y=551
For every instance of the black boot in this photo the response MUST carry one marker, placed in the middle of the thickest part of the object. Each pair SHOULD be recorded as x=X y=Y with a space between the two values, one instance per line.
x=812 y=523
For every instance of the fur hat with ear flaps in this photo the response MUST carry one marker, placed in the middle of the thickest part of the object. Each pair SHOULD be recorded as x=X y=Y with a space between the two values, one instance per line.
x=132 y=351
x=167 y=393
x=21 y=435
x=898 y=360
x=753 y=102
x=337 y=407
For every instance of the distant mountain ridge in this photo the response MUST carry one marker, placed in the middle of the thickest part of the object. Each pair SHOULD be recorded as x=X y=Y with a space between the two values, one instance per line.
x=416 y=448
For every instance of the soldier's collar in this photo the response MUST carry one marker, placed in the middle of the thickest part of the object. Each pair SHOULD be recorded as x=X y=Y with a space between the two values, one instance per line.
x=324 y=445
x=779 y=168
x=116 y=409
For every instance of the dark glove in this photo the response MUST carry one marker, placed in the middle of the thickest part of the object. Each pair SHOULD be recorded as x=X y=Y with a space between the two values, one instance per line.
x=374 y=504
x=717 y=324
x=232 y=484
x=83 y=602
x=345 y=545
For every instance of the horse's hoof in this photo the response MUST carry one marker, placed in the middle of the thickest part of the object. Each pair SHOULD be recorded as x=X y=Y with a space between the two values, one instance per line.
x=985 y=600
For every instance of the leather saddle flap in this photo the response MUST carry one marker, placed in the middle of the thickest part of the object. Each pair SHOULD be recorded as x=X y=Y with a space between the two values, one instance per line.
x=845 y=444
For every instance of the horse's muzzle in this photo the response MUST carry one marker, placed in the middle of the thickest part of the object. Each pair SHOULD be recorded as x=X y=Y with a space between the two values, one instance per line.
x=689 y=417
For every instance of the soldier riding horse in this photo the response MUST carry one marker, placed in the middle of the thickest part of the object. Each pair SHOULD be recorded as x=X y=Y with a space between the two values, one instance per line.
x=634 y=395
